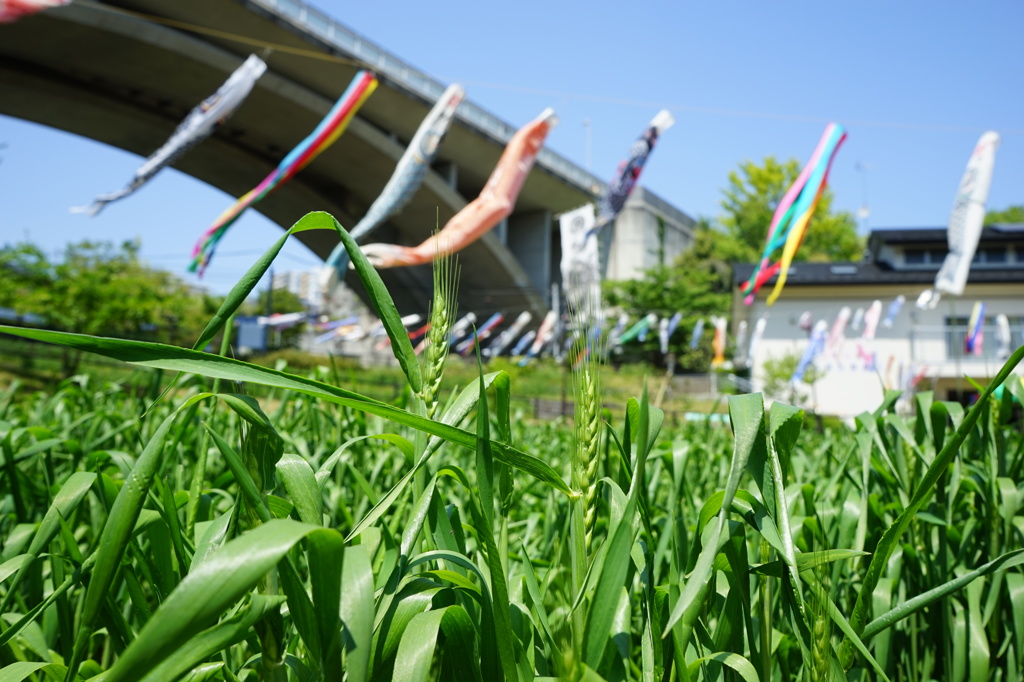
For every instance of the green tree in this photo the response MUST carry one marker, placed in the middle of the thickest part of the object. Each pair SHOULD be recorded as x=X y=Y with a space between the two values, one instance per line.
x=699 y=282
x=750 y=200
x=100 y=289
x=1014 y=215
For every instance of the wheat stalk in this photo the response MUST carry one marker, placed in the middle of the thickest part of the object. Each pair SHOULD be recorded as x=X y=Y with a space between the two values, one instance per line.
x=443 y=311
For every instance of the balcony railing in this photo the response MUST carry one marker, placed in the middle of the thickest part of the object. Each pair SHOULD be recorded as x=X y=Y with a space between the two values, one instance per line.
x=945 y=344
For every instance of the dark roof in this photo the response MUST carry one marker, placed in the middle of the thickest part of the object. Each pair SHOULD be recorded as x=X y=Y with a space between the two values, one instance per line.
x=810 y=274
x=921 y=235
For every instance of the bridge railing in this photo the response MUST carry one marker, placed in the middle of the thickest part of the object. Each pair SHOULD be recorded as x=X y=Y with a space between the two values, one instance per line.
x=346 y=40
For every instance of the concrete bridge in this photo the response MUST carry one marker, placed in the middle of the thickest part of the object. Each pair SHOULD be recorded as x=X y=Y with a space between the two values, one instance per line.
x=125 y=72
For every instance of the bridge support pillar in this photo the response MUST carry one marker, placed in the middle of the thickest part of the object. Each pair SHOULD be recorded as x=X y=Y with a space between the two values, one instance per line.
x=529 y=238
x=450 y=172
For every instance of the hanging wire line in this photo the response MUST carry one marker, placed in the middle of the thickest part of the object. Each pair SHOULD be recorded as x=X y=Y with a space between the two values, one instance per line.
x=656 y=104
x=559 y=94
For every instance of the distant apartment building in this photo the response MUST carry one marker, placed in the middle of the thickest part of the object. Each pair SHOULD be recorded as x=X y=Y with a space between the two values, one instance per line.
x=926 y=343
x=304 y=284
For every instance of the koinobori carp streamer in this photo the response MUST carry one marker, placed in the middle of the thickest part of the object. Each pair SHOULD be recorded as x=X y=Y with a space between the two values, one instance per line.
x=794 y=212
x=410 y=172
x=196 y=127
x=494 y=204
x=325 y=134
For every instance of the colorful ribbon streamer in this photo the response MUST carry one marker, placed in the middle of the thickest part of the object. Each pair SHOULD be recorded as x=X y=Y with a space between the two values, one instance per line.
x=325 y=134
x=975 y=330
x=794 y=212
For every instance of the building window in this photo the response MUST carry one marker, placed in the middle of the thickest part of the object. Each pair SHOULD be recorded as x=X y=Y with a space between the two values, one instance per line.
x=915 y=257
x=924 y=257
x=991 y=255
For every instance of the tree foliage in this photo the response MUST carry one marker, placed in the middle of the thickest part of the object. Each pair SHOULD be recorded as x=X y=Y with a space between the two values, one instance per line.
x=97 y=288
x=699 y=282
x=1013 y=215
x=750 y=200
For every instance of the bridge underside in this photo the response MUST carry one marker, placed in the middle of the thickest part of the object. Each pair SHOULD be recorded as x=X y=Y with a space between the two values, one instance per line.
x=127 y=81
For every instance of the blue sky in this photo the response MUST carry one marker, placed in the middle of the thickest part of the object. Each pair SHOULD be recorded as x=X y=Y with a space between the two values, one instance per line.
x=915 y=84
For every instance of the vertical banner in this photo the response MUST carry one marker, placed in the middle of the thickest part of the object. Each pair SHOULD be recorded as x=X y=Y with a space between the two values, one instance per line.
x=581 y=277
x=1003 y=337
x=739 y=355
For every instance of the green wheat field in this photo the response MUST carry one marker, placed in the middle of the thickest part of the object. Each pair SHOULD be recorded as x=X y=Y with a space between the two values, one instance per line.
x=217 y=520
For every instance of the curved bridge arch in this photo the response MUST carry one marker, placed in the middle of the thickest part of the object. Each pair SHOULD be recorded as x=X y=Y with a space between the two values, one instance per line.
x=94 y=70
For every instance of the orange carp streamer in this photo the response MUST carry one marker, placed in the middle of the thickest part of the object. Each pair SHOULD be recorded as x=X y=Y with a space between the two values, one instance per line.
x=494 y=204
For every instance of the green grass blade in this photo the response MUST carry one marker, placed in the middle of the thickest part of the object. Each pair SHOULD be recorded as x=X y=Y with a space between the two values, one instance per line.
x=207 y=592
x=64 y=502
x=381 y=299
x=605 y=599
x=419 y=645
x=918 y=602
x=116 y=535
x=746 y=412
x=181 y=359
x=357 y=612
x=213 y=640
x=891 y=537
x=742 y=666
x=326 y=563
x=22 y=670
x=252 y=277
x=300 y=482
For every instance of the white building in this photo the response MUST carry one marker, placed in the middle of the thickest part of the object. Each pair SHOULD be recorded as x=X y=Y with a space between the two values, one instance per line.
x=648 y=232
x=926 y=343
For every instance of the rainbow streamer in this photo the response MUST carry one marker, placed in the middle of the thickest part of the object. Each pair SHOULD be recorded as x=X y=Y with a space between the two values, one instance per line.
x=975 y=330
x=325 y=134
x=794 y=212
